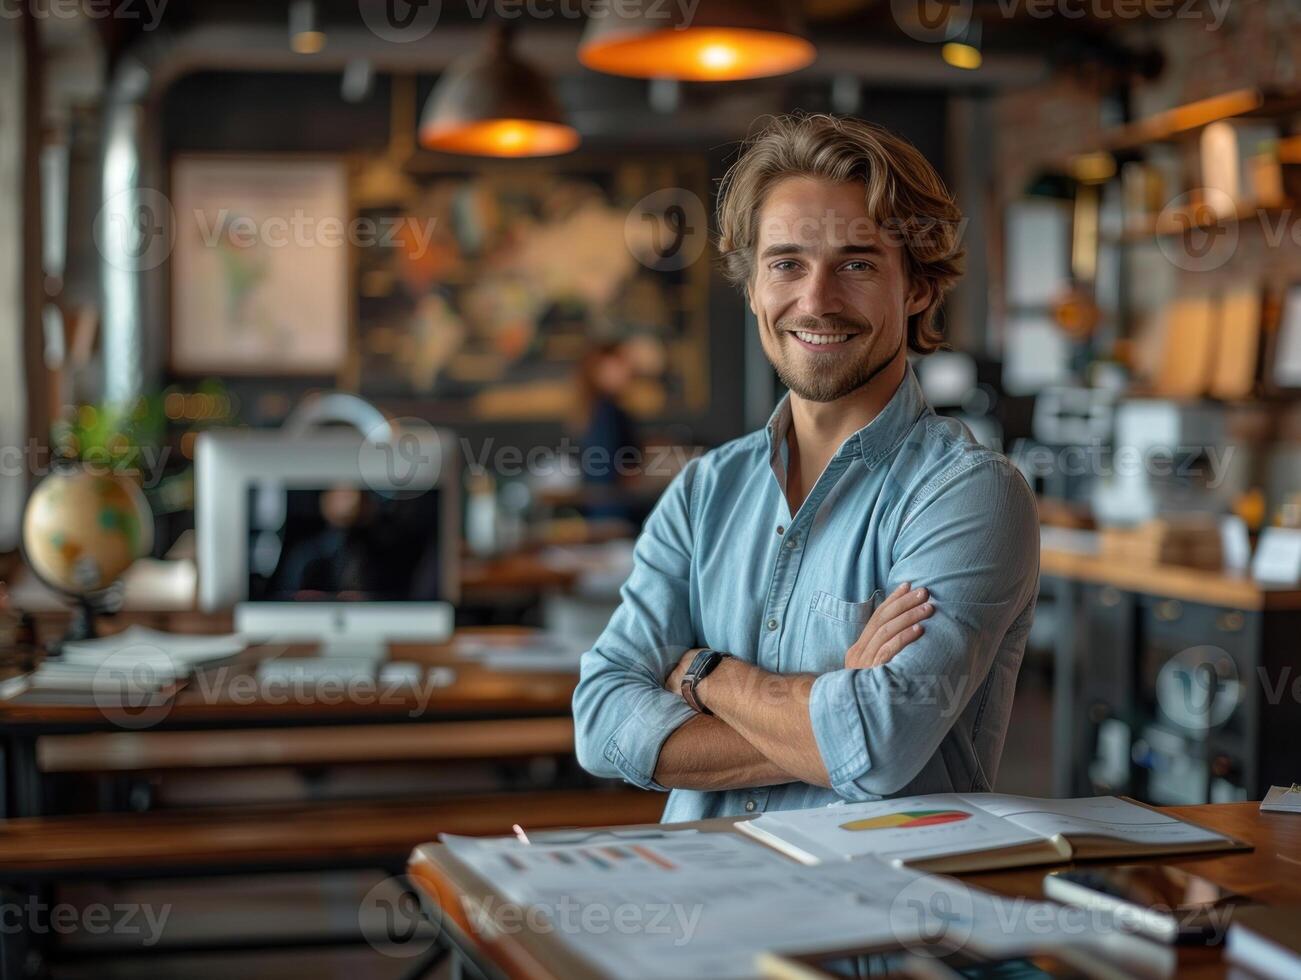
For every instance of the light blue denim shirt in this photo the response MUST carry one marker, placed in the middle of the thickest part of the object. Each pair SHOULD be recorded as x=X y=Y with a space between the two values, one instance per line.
x=721 y=563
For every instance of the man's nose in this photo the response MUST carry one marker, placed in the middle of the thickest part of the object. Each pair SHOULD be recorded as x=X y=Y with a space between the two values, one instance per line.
x=821 y=295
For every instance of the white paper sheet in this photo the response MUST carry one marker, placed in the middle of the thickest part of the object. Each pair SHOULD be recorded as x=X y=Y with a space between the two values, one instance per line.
x=522 y=871
x=1107 y=816
x=175 y=653
x=1281 y=799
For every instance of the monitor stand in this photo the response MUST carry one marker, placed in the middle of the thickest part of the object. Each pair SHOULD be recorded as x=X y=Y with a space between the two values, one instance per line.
x=347 y=629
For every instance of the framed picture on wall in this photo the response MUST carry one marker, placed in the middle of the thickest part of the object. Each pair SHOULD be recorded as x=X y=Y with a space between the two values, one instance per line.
x=261 y=268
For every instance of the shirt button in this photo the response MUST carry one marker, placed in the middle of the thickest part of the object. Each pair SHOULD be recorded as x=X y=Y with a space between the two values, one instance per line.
x=780 y=529
x=772 y=624
x=749 y=806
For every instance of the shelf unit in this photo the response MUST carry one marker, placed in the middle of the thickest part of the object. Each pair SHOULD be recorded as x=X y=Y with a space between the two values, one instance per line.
x=1187 y=120
x=1179 y=126
x=1179 y=221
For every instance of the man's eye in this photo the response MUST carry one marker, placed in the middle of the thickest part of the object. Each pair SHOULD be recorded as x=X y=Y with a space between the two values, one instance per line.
x=785 y=265
x=858 y=266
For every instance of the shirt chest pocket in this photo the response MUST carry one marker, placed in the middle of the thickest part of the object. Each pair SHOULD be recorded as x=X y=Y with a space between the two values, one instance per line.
x=833 y=626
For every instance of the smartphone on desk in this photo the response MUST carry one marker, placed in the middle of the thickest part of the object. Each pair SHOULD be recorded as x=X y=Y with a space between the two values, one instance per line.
x=1159 y=900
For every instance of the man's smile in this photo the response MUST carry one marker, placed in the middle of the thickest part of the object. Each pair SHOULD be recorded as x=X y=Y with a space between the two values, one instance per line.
x=822 y=341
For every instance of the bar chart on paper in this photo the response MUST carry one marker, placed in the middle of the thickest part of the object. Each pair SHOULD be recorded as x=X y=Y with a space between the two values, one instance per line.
x=529 y=868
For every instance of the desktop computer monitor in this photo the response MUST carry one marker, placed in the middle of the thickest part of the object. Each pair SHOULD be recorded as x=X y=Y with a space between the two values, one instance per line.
x=330 y=535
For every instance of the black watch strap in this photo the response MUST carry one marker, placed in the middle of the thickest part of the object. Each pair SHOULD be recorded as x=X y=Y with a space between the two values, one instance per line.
x=701 y=667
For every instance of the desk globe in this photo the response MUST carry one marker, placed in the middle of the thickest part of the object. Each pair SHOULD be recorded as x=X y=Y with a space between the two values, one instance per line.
x=81 y=532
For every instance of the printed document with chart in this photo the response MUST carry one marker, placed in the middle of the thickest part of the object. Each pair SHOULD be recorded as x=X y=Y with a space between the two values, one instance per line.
x=638 y=905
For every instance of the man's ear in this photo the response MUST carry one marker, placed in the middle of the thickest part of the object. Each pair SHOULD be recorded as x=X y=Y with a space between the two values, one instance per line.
x=920 y=296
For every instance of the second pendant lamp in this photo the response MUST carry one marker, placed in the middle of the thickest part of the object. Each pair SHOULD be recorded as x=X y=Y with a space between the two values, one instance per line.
x=491 y=103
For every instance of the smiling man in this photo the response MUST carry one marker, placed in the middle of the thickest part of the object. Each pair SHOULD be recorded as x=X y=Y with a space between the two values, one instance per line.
x=835 y=607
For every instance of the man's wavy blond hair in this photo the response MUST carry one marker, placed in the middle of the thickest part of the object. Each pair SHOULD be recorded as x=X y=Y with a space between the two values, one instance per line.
x=905 y=197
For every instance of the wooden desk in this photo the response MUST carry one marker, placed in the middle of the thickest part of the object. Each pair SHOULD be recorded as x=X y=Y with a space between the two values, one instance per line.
x=480 y=712
x=1232 y=591
x=483 y=578
x=1271 y=872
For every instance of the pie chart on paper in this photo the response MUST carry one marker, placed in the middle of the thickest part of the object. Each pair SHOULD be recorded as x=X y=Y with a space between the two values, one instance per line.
x=906 y=819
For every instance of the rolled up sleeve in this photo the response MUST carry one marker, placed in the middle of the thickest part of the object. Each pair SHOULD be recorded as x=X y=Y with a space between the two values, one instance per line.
x=622 y=714
x=974 y=543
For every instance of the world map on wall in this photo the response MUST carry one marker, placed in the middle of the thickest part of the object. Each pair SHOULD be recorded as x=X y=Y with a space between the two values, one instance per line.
x=496 y=284
x=249 y=295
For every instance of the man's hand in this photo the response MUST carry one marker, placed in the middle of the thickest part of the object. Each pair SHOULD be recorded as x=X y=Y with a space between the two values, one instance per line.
x=896 y=623
x=673 y=683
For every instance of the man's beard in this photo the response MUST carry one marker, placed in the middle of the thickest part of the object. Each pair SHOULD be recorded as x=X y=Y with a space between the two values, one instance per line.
x=839 y=376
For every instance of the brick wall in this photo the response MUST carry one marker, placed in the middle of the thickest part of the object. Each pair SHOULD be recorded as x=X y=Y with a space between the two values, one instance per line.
x=1251 y=47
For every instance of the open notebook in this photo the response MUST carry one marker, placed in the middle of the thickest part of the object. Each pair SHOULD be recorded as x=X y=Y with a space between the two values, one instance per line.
x=951 y=832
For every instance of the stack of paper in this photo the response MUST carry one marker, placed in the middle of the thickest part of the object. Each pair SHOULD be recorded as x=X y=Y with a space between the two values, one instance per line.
x=708 y=904
x=138 y=648
x=60 y=680
x=1282 y=799
x=137 y=661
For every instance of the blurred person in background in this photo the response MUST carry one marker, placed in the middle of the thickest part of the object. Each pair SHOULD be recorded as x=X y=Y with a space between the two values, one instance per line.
x=608 y=440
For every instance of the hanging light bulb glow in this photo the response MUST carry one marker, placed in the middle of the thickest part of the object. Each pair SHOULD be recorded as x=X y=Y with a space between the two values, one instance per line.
x=724 y=40
x=963 y=51
x=305 y=36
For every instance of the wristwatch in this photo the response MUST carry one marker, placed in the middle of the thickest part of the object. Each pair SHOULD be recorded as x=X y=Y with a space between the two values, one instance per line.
x=701 y=667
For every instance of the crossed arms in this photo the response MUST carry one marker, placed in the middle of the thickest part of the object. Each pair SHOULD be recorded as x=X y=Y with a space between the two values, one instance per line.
x=761 y=733
x=864 y=730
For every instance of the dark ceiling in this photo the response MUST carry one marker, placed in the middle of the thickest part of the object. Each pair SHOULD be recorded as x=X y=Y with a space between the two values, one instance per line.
x=1073 y=28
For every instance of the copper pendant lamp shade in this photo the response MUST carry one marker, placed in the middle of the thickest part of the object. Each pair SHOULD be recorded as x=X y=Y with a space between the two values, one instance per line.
x=724 y=40
x=490 y=103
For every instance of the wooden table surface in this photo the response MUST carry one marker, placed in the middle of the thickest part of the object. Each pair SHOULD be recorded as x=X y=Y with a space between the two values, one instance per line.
x=232 y=694
x=480 y=714
x=1270 y=872
x=1233 y=591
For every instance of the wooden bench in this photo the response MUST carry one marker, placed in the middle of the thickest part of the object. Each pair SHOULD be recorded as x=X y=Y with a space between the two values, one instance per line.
x=281 y=838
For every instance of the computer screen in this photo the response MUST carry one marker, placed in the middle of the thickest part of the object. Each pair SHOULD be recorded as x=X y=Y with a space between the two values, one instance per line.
x=344 y=544
x=310 y=521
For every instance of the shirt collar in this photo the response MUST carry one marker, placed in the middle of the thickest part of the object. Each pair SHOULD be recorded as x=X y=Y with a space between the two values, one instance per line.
x=874 y=441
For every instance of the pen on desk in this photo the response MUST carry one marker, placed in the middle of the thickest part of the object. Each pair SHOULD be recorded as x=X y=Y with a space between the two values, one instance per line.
x=519 y=833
